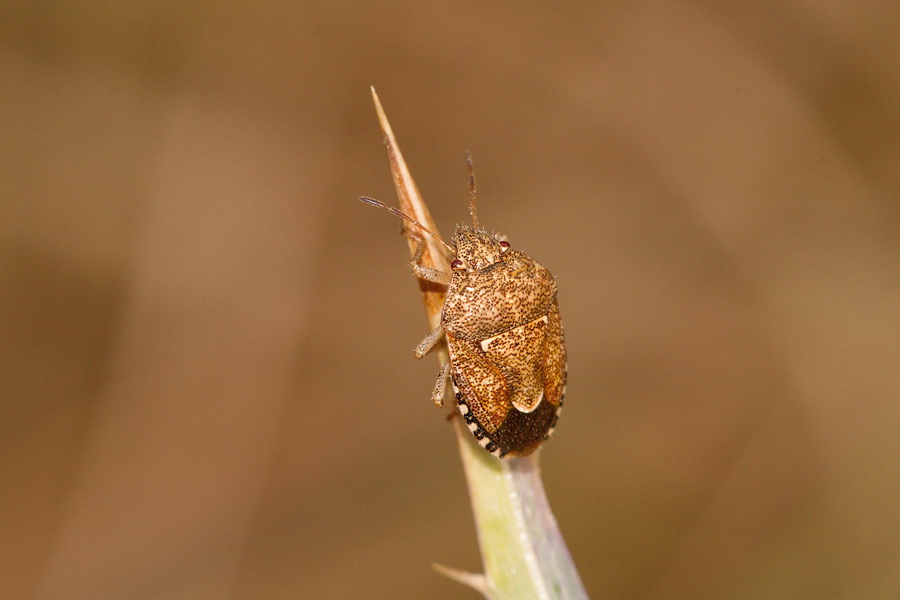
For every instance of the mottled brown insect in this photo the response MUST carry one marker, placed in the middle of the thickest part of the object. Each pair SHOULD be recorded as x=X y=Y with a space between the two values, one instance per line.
x=504 y=336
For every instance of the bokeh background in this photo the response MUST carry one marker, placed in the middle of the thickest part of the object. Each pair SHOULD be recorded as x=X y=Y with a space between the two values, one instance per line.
x=208 y=388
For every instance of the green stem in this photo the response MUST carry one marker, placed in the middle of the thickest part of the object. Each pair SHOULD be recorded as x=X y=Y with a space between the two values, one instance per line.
x=522 y=549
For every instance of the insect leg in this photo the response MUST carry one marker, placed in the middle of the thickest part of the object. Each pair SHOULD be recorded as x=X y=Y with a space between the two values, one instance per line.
x=427 y=273
x=437 y=396
x=428 y=343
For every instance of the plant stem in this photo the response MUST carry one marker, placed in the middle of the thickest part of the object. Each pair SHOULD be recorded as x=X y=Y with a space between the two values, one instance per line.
x=523 y=552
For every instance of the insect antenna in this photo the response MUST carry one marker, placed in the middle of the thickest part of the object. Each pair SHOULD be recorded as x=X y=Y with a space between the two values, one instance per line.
x=406 y=217
x=471 y=169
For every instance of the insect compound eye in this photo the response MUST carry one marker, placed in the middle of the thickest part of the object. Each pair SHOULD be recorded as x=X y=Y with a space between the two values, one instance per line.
x=504 y=245
x=458 y=265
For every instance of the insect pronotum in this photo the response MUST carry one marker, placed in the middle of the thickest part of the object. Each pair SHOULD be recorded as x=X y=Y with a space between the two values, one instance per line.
x=504 y=335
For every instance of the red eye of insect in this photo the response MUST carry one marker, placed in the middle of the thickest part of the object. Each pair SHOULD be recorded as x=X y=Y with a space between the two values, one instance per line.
x=504 y=246
x=457 y=265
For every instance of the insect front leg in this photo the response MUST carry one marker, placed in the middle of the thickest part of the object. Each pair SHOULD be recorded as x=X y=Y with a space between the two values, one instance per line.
x=427 y=273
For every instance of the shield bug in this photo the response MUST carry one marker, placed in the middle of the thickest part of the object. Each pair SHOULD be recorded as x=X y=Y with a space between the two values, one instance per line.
x=504 y=336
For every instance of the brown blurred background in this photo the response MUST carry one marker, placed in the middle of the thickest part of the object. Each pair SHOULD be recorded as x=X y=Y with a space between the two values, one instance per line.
x=207 y=374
